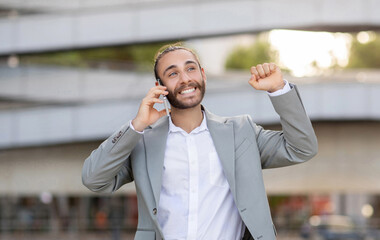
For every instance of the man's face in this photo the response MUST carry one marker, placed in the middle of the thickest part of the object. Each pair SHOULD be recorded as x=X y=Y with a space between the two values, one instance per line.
x=185 y=81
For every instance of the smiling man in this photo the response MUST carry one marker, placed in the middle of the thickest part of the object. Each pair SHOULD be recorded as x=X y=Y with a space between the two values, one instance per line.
x=198 y=175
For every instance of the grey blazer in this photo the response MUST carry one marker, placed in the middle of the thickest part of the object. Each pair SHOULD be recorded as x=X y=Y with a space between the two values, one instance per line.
x=243 y=147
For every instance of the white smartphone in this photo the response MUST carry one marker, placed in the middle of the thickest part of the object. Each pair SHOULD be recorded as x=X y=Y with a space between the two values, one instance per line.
x=166 y=103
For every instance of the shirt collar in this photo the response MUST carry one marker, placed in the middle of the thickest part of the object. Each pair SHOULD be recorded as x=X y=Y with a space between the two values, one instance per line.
x=203 y=127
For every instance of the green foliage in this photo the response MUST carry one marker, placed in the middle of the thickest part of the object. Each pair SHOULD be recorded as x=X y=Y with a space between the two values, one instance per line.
x=245 y=57
x=365 y=55
x=143 y=55
x=139 y=56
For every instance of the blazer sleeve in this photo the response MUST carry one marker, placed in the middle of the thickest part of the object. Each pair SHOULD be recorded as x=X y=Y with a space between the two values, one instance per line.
x=296 y=142
x=109 y=166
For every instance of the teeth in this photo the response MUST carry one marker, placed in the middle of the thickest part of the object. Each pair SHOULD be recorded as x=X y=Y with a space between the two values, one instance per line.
x=188 y=91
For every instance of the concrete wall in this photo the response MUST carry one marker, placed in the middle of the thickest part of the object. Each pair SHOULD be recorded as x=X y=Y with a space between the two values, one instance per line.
x=164 y=20
x=76 y=105
x=54 y=169
x=347 y=162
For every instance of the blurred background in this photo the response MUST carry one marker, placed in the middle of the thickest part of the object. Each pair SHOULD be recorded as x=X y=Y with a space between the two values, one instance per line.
x=73 y=71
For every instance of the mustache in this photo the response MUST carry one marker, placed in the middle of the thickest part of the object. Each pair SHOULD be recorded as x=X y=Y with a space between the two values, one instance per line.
x=192 y=84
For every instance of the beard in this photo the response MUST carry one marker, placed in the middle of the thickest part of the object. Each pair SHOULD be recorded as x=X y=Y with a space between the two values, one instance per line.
x=176 y=103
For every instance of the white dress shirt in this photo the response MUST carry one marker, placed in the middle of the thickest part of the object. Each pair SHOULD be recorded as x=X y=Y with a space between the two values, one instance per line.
x=195 y=200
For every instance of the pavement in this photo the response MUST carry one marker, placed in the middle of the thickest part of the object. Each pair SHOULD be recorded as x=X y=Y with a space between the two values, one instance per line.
x=95 y=236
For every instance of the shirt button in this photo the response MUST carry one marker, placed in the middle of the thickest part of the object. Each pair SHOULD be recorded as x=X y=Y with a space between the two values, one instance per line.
x=154 y=211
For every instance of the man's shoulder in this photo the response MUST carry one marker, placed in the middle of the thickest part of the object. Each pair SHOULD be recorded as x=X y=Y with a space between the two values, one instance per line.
x=241 y=122
x=235 y=120
x=242 y=117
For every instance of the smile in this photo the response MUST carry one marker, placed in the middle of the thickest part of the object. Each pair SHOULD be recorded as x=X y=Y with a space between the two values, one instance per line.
x=187 y=91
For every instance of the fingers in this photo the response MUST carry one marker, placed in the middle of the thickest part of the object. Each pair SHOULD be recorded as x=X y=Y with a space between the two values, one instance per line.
x=155 y=92
x=147 y=114
x=151 y=101
x=272 y=67
x=255 y=73
x=253 y=81
x=263 y=70
x=153 y=96
x=260 y=71
x=157 y=87
x=266 y=69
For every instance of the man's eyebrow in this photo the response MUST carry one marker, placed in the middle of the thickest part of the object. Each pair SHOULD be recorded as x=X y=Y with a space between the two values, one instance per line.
x=190 y=62
x=174 y=66
x=168 y=68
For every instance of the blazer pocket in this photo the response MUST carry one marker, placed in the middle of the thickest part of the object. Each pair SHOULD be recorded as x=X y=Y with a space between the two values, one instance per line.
x=145 y=235
x=242 y=148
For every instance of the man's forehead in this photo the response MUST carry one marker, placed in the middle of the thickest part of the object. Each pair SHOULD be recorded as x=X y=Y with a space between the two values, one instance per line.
x=177 y=57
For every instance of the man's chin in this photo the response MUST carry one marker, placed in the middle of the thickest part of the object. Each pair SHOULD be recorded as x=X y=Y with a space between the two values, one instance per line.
x=183 y=106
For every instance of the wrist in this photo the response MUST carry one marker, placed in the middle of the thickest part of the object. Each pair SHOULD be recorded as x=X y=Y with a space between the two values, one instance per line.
x=137 y=125
x=276 y=88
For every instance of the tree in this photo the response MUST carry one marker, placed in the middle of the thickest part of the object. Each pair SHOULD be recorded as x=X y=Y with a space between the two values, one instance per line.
x=365 y=55
x=244 y=57
x=139 y=56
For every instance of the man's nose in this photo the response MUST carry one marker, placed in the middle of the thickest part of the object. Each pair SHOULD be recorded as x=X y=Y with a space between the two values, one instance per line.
x=185 y=78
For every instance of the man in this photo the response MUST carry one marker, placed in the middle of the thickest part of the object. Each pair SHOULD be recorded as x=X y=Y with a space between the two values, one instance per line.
x=198 y=175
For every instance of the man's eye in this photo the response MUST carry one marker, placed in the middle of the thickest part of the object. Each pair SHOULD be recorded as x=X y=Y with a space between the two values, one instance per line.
x=172 y=74
x=190 y=69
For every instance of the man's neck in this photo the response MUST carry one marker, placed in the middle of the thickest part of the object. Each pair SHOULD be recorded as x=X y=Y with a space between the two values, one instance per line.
x=187 y=119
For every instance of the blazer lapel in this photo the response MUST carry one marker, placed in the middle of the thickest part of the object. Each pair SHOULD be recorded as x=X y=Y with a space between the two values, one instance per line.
x=155 y=145
x=222 y=134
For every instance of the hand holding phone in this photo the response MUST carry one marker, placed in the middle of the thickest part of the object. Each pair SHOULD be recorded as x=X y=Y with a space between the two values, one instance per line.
x=147 y=114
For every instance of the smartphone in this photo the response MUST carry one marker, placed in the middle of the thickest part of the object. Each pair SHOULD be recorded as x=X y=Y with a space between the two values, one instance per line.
x=166 y=103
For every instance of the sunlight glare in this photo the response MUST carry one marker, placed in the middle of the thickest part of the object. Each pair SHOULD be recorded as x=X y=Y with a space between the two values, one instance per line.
x=304 y=53
x=365 y=37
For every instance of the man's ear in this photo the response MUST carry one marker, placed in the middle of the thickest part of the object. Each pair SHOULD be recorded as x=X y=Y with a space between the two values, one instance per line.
x=203 y=74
